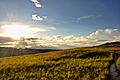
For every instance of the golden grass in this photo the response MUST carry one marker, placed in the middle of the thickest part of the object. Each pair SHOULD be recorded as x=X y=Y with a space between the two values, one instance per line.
x=59 y=65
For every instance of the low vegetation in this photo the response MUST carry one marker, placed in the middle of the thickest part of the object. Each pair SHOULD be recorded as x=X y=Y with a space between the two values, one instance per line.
x=118 y=64
x=73 y=64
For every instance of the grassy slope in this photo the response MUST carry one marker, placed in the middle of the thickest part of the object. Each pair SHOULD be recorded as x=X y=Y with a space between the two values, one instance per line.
x=81 y=64
x=112 y=44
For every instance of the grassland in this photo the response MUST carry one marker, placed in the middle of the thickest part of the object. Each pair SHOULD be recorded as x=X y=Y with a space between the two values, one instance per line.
x=73 y=64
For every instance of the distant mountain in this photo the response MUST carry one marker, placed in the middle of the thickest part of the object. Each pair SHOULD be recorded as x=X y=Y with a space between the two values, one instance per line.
x=112 y=44
x=5 y=39
x=7 y=51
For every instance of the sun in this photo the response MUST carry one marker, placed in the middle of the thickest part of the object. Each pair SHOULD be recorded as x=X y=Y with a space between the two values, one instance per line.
x=16 y=30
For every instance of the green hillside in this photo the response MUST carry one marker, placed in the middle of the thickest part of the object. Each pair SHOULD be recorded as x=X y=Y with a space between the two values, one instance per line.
x=72 y=64
x=112 y=44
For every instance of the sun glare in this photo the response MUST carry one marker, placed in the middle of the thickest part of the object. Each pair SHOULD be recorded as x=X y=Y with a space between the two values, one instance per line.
x=16 y=30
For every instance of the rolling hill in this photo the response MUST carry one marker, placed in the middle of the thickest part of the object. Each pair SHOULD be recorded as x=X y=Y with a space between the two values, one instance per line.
x=112 y=44
x=90 y=63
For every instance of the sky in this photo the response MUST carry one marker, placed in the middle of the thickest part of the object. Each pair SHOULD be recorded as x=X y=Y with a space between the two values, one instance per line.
x=93 y=19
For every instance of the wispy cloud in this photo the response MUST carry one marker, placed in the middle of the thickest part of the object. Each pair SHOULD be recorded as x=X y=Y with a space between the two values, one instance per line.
x=38 y=18
x=1 y=30
x=44 y=28
x=87 y=17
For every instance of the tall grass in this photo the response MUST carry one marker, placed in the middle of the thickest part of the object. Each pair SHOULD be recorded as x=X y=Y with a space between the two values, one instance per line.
x=72 y=64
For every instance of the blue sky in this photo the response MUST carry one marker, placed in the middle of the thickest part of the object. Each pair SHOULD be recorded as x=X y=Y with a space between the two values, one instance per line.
x=69 y=17
x=60 y=23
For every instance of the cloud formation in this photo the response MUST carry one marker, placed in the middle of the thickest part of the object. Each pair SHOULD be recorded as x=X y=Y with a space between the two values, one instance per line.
x=37 y=3
x=38 y=18
x=106 y=34
x=96 y=38
x=58 y=42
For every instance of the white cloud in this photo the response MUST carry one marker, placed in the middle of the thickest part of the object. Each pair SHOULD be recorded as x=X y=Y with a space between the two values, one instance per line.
x=104 y=34
x=37 y=17
x=37 y=3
